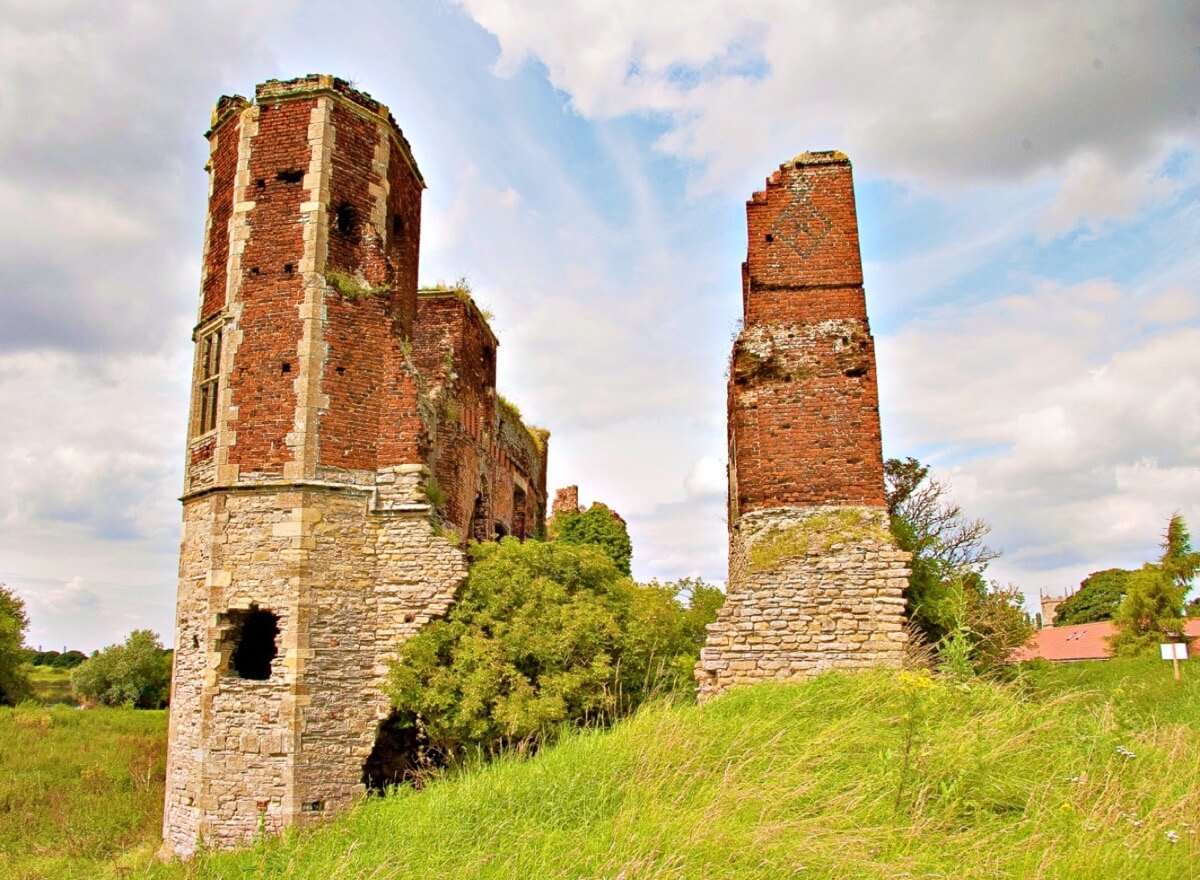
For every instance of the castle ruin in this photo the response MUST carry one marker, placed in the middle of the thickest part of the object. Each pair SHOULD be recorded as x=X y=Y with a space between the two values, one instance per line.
x=345 y=440
x=816 y=581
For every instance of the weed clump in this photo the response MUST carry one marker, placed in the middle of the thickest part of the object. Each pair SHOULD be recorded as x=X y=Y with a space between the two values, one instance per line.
x=816 y=534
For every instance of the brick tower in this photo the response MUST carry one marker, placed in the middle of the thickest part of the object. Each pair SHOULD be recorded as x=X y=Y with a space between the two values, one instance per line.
x=313 y=542
x=815 y=580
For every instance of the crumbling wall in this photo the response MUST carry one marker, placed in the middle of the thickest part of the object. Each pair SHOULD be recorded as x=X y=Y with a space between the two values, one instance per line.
x=805 y=453
x=311 y=548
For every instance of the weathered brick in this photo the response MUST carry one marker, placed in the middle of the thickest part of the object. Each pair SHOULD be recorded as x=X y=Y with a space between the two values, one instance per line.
x=805 y=456
x=307 y=500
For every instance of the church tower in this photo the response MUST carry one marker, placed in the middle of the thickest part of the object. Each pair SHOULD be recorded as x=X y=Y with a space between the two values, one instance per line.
x=815 y=579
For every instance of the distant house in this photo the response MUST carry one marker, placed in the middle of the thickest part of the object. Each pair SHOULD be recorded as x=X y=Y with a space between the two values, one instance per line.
x=1083 y=641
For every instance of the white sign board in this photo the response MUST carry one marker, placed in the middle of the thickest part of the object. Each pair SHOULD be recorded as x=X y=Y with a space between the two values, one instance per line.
x=1174 y=651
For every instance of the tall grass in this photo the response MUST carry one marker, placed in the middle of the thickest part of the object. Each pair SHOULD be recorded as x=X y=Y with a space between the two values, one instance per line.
x=80 y=791
x=879 y=775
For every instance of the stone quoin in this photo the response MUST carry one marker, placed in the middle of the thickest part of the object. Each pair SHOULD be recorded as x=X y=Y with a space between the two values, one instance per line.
x=816 y=581
x=345 y=440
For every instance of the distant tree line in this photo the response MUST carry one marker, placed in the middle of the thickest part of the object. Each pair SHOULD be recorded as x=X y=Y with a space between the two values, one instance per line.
x=55 y=659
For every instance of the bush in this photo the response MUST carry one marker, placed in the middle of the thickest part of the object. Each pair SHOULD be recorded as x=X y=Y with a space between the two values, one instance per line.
x=543 y=635
x=597 y=525
x=136 y=673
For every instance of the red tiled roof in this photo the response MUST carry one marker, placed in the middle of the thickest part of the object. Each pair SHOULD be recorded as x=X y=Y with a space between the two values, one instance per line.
x=1083 y=641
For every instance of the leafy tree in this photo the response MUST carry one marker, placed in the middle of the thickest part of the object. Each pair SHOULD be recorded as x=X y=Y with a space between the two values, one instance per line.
x=136 y=673
x=14 y=685
x=542 y=635
x=946 y=546
x=1098 y=598
x=1152 y=611
x=1178 y=560
x=597 y=525
x=701 y=603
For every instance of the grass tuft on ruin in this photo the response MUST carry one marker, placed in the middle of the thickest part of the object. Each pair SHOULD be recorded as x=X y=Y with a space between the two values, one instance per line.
x=352 y=287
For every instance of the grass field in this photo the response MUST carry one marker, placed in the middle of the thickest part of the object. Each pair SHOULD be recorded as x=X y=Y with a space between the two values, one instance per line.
x=1079 y=772
x=80 y=791
x=1088 y=771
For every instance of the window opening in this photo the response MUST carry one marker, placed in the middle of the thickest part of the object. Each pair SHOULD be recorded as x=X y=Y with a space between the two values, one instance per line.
x=292 y=175
x=208 y=381
x=518 y=517
x=252 y=637
x=345 y=220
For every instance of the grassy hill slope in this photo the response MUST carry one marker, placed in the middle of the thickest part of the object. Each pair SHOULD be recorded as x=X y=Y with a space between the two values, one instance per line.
x=871 y=776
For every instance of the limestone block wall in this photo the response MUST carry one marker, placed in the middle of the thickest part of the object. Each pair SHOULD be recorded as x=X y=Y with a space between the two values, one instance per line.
x=348 y=581
x=810 y=589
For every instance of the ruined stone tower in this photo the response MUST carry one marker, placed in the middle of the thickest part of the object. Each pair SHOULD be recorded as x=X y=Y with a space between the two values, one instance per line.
x=345 y=437
x=815 y=579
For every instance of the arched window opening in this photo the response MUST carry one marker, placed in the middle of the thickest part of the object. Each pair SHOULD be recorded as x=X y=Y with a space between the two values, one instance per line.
x=519 y=526
x=345 y=219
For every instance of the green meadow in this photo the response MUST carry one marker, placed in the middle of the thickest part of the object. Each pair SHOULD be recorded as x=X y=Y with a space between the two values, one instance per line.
x=1081 y=771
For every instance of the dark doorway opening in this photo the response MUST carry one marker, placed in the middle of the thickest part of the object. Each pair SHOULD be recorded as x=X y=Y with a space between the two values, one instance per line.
x=401 y=756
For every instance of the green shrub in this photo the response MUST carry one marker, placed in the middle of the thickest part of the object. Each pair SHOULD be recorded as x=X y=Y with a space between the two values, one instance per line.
x=136 y=673
x=542 y=635
x=600 y=526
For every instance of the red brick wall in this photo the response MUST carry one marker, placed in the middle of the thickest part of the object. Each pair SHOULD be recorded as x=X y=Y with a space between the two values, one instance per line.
x=373 y=345
x=803 y=393
x=263 y=393
x=220 y=207
x=403 y=238
x=477 y=453
x=357 y=330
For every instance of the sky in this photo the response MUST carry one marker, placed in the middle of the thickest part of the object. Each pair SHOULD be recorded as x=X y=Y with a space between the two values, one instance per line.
x=1028 y=185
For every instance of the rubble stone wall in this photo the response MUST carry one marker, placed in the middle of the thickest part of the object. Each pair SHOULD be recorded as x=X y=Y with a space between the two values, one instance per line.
x=810 y=589
x=348 y=583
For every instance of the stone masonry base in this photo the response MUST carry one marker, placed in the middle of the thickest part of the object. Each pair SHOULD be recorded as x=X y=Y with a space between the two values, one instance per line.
x=810 y=589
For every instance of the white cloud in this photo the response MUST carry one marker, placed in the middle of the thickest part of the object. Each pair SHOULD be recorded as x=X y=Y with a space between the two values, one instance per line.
x=706 y=479
x=935 y=91
x=1172 y=306
x=1096 y=188
x=1059 y=418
